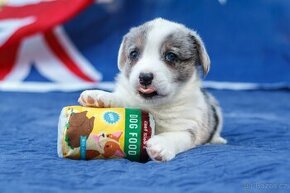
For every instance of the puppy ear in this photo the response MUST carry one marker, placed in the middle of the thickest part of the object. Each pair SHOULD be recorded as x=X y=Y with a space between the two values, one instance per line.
x=203 y=58
x=122 y=54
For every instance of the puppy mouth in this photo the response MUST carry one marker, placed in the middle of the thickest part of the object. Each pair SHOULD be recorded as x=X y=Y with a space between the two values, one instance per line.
x=147 y=92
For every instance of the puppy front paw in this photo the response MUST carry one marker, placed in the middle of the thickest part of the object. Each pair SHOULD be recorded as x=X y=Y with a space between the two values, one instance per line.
x=95 y=98
x=158 y=150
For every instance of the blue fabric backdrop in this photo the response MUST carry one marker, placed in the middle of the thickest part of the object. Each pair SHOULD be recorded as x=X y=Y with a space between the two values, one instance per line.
x=248 y=41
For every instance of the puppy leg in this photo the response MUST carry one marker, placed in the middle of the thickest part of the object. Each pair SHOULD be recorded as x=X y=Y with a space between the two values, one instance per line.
x=165 y=146
x=99 y=98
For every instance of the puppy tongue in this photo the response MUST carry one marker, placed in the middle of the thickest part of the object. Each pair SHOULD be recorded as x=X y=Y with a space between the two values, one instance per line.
x=146 y=90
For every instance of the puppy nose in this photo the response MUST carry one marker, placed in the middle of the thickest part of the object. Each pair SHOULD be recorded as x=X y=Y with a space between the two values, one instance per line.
x=145 y=79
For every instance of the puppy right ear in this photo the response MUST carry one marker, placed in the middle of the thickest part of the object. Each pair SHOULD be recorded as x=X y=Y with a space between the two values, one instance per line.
x=122 y=54
x=203 y=58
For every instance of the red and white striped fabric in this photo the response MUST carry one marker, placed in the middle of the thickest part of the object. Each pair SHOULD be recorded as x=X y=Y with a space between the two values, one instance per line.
x=31 y=34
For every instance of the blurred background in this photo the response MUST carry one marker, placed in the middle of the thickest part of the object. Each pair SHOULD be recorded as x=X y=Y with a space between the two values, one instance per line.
x=48 y=45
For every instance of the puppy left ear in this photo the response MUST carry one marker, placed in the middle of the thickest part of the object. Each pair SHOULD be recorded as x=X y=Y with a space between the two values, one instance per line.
x=203 y=58
x=122 y=55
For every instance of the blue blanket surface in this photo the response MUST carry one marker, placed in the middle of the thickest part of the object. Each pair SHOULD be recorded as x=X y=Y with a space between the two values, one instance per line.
x=256 y=158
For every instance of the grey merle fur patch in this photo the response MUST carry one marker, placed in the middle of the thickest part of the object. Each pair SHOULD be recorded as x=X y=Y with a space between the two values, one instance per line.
x=135 y=39
x=181 y=44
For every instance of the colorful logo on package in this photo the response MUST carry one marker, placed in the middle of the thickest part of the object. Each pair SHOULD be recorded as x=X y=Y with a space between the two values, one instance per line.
x=111 y=117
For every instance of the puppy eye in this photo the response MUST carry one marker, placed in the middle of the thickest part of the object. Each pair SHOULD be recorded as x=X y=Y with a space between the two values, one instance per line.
x=134 y=55
x=171 y=57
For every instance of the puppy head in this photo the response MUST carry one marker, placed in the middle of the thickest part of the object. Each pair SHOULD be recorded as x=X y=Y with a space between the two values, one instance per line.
x=159 y=57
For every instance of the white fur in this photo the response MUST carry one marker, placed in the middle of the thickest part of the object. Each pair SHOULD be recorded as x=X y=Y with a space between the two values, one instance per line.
x=178 y=115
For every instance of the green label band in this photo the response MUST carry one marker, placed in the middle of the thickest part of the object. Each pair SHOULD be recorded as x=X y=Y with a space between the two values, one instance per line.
x=133 y=134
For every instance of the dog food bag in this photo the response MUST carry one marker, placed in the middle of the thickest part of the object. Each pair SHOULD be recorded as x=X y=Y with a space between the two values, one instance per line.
x=93 y=133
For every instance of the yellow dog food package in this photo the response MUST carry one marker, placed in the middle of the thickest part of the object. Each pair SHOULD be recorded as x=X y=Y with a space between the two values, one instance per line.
x=93 y=133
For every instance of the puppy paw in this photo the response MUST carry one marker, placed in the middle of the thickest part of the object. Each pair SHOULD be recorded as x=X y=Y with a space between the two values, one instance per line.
x=95 y=98
x=158 y=150
x=218 y=140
